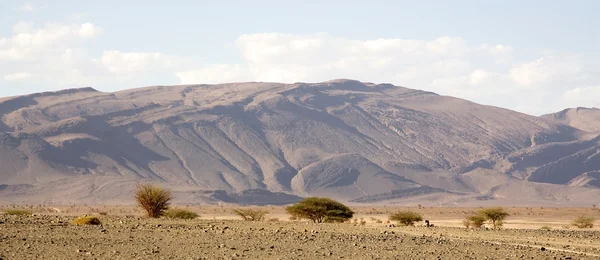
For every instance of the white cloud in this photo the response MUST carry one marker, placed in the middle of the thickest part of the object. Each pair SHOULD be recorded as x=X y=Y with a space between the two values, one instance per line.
x=488 y=73
x=549 y=69
x=582 y=97
x=55 y=55
x=136 y=62
x=478 y=77
x=27 y=7
x=19 y=76
x=29 y=42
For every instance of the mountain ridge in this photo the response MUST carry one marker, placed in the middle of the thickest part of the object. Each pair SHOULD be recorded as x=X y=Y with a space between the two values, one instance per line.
x=342 y=138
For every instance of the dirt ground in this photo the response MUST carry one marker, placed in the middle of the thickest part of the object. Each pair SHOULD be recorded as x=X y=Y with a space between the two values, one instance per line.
x=126 y=234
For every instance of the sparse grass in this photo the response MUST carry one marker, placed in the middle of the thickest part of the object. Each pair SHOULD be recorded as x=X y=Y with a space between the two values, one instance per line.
x=251 y=214
x=18 y=212
x=274 y=220
x=584 y=222
x=87 y=220
x=546 y=228
x=180 y=214
x=407 y=218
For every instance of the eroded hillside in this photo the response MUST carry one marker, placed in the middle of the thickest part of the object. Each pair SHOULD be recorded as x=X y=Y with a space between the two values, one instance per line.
x=345 y=139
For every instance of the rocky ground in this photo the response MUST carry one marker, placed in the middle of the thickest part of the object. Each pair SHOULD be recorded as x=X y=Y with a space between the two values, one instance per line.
x=132 y=237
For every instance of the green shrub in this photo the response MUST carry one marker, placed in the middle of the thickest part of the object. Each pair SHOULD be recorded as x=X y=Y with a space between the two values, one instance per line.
x=153 y=200
x=320 y=210
x=180 y=214
x=87 y=220
x=475 y=221
x=584 y=222
x=251 y=214
x=18 y=212
x=407 y=218
x=495 y=215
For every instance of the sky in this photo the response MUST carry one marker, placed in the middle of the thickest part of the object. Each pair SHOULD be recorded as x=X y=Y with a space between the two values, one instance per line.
x=532 y=56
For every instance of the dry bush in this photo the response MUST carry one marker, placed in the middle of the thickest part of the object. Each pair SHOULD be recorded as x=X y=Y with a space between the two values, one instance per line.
x=274 y=220
x=546 y=228
x=379 y=221
x=154 y=200
x=251 y=214
x=407 y=218
x=87 y=220
x=103 y=213
x=362 y=222
x=180 y=214
x=584 y=222
x=18 y=212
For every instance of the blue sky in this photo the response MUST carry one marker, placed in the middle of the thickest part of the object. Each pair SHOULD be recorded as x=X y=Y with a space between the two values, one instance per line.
x=532 y=56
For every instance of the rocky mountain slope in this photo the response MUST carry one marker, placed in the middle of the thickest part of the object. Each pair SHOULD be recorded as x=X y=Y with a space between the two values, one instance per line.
x=349 y=140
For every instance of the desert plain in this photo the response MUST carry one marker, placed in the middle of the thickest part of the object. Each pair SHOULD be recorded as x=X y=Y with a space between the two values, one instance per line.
x=528 y=233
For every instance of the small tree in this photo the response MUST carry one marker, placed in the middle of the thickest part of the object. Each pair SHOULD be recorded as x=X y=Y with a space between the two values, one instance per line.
x=320 y=210
x=154 y=200
x=475 y=221
x=584 y=222
x=251 y=214
x=407 y=218
x=496 y=215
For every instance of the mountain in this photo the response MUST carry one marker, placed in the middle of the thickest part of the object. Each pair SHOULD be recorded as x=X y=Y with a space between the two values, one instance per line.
x=353 y=141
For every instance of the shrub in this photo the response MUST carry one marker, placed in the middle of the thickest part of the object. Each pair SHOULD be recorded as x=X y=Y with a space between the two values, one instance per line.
x=496 y=215
x=180 y=214
x=407 y=218
x=320 y=210
x=475 y=221
x=251 y=214
x=466 y=223
x=18 y=212
x=584 y=222
x=154 y=200
x=87 y=220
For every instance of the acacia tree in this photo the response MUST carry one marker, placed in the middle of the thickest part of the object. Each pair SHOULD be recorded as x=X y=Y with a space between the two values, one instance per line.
x=154 y=200
x=407 y=218
x=496 y=215
x=320 y=210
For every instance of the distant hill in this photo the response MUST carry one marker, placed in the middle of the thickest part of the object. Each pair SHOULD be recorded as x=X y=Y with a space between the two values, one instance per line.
x=353 y=141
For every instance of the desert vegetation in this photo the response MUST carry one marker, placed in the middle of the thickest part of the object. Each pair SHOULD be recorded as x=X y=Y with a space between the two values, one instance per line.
x=87 y=220
x=475 y=221
x=584 y=222
x=251 y=214
x=154 y=200
x=495 y=215
x=219 y=235
x=18 y=212
x=406 y=218
x=320 y=210
x=180 y=214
